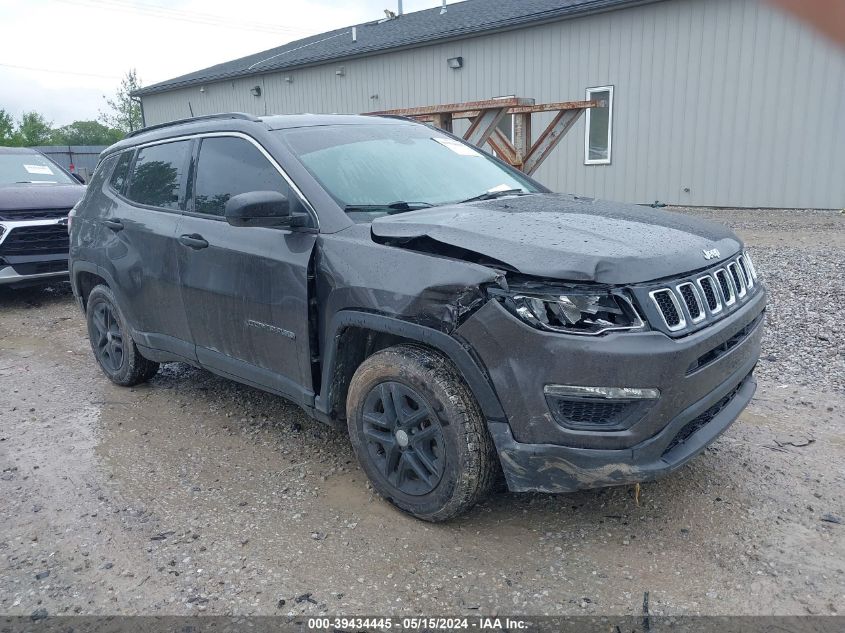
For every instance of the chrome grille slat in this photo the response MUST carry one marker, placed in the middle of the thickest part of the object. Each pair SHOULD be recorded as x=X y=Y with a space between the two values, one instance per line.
x=33 y=214
x=749 y=279
x=693 y=303
x=738 y=280
x=750 y=263
x=709 y=288
x=726 y=286
x=673 y=315
x=690 y=303
x=35 y=240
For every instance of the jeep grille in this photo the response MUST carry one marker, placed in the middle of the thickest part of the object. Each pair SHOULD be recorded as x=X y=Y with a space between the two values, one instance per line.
x=690 y=302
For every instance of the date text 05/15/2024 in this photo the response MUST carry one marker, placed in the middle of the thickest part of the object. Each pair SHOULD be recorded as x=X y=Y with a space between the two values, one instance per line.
x=417 y=623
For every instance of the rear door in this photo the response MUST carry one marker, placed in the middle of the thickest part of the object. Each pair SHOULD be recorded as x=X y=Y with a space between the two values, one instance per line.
x=245 y=289
x=148 y=189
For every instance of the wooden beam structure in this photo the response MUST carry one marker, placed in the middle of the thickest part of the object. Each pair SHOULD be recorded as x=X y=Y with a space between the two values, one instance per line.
x=485 y=116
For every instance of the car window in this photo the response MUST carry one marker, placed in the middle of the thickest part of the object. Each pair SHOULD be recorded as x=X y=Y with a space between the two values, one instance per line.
x=101 y=173
x=121 y=171
x=379 y=165
x=31 y=169
x=229 y=166
x=158 y=177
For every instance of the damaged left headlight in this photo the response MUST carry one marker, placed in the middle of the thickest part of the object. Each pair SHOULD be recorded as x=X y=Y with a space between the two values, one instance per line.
x=576 y=311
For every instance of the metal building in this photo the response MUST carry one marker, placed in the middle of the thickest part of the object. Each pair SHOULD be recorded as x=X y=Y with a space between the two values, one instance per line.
x=710 y=102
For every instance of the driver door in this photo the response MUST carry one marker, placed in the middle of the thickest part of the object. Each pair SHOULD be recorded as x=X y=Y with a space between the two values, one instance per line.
x=245 y=289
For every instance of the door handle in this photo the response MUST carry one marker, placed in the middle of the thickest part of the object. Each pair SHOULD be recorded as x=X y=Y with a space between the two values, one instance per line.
x=114 y=225
x=194 y=241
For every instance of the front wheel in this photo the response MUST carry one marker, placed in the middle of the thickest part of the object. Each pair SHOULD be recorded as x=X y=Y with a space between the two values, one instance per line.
x=419 y=433
x=111 y=342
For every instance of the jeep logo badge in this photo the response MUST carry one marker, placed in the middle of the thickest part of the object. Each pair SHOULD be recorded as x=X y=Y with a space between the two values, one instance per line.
x=713 y=253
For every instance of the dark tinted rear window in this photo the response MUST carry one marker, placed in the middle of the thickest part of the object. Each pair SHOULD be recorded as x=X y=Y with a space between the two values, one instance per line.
x=230 y=166
x=158 y=177
x=121 y=171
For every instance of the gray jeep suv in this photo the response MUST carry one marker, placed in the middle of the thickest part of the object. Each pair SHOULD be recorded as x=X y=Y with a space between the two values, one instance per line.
x=458 y=318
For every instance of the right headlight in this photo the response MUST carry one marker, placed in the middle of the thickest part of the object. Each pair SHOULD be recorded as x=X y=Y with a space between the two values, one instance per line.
x=574 y=311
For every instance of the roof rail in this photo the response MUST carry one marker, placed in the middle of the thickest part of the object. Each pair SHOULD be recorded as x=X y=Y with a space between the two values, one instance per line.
x=206 y=117
x=401 y=117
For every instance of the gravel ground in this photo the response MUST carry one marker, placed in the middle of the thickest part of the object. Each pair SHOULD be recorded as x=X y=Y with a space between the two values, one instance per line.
x=193 y=494
x=801 y=255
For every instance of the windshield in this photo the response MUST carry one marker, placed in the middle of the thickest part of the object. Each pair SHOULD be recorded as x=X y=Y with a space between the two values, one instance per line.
x=377 y=169
x=30 y=168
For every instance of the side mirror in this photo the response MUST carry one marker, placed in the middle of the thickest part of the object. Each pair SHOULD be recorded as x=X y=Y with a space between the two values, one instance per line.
x=78 y=177
x=258 y=208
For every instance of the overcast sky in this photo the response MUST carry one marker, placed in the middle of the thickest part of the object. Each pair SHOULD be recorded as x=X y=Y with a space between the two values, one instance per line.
x=59 y=57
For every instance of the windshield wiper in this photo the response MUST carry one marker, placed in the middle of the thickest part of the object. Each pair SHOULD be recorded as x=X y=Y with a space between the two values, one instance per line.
x=492 y=195
x=393 y=207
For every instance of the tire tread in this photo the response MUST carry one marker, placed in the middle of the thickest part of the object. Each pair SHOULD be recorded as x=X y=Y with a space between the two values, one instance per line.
x=479 y=461
x=137 y=369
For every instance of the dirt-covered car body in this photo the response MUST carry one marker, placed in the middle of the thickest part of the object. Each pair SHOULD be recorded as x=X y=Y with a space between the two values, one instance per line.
x=604 y=343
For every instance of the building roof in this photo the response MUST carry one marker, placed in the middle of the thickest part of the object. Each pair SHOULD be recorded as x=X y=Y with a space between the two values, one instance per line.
x=461 y=19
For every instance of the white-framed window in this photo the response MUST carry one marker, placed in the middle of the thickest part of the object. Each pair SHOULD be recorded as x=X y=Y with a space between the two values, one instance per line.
x=598 y=137
x=506 y=126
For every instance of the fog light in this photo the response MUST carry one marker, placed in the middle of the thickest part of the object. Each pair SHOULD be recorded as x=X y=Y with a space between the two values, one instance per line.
x=607 y=393
x=607 y=409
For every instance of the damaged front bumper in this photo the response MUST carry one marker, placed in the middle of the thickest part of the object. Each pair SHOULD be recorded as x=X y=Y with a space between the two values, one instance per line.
x=699 y=384
x=550 y=468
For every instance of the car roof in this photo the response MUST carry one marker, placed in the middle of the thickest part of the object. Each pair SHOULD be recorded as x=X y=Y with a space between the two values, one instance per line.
x=18 y=150
x=285 y=121
x=240 y=122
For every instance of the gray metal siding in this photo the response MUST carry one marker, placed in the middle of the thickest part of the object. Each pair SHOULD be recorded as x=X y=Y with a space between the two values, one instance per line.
x=728 y=98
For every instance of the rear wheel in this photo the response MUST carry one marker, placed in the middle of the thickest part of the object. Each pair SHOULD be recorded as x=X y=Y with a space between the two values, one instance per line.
x=419 y=434
x=111 y=342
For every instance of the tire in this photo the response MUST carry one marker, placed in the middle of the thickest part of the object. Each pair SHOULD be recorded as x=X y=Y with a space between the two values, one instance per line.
x=113 y=347
x=435 y=460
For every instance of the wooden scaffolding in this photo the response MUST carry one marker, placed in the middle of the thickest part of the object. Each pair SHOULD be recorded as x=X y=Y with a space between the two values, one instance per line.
x=485 y=116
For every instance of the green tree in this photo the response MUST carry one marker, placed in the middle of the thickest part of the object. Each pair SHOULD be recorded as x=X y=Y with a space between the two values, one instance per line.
x=7 y=128
x=155 y=183
x=124 y=112
x=85 y=133
x=33 y=129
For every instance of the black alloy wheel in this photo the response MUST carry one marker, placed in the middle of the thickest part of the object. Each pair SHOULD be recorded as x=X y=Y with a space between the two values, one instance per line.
x=419 y=433
x=404 y=438
x=108 y=341
x=111 y=340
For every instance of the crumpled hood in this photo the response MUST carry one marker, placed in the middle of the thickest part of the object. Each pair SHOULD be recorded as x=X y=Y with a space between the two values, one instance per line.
x=47 y=196
x=566 y=237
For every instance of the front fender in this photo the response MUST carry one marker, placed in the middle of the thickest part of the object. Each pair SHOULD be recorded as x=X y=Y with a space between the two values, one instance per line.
x=472 y=373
